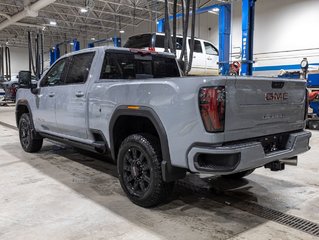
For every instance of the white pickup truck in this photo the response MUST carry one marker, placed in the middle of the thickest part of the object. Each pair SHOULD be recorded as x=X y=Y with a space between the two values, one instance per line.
x=205 y=57
x=159 y=125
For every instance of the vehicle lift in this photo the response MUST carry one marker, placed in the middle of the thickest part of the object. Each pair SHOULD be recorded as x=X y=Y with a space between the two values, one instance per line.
x=224 y=18
x=115 y=40
x=55 y=51
x=312 y=78
x=313 y=95
x=5 y=63
x=5 y=71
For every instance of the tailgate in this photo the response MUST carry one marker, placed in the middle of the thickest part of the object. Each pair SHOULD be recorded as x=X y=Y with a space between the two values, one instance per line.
x=263 y=106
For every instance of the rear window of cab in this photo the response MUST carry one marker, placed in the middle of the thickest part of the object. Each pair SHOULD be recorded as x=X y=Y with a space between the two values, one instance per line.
x=128 y=65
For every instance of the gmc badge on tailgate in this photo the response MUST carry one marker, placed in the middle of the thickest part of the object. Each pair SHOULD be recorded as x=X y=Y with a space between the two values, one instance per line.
x=273 y=96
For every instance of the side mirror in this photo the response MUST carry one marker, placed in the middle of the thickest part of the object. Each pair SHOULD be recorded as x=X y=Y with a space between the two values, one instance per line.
x=25 y=79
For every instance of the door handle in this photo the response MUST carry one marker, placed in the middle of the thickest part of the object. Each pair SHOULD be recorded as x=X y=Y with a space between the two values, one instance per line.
x=79 y=94
x=51 y=94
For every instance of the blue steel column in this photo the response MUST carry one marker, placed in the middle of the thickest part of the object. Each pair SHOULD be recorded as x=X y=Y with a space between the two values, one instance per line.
x=248 y=22
x=224 y=38
x=91 y=45
x=52 y=59
x=117 y=42
x=160 y=25
x=56 y=53
x=76 y=45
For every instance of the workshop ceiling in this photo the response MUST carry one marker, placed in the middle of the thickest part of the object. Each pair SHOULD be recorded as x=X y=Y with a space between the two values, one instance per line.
x=69 y=19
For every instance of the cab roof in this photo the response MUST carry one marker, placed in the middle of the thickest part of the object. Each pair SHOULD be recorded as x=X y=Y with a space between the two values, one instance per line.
x=116 y=49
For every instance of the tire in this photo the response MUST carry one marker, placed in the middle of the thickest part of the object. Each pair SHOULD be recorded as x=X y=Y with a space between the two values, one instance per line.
x=239 y=175
x=313 y=124
x=27 y=135
x=139 y=168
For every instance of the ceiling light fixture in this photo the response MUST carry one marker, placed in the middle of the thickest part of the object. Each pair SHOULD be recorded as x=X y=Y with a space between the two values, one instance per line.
x=53 y=23
x=84 y=10
x=122 y=31
x=93 y=39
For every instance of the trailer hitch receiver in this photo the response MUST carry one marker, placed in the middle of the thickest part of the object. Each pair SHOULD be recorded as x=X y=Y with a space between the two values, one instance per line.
x=275 y=166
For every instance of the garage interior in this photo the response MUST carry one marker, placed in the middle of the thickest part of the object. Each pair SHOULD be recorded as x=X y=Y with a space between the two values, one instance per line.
x=63 y=192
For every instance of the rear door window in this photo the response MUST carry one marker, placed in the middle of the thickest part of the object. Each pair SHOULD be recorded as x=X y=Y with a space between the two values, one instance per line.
x=179 y=43
x=160 y=42
x=136 y=66
x=79 y=68
x=197 y=46
x=210 y=49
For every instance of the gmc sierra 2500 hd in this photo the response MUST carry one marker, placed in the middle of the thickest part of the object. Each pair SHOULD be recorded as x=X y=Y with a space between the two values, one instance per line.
x=159 y=125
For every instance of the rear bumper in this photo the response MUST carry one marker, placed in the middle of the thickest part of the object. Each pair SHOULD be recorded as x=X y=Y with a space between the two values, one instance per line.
x=240 y=157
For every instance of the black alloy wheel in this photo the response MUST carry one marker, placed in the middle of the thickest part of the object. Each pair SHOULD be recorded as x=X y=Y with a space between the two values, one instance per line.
x=139 y=167
x=137 y=171
x=27 y=134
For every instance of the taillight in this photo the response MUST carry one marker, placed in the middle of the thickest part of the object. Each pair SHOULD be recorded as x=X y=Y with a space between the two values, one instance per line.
x=151 y=49
x=212 y=108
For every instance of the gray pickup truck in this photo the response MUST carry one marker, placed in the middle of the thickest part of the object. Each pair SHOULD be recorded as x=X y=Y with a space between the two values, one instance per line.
x=158 y=125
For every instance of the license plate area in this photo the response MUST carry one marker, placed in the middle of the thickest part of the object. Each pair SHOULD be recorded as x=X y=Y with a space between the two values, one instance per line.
x=274 y=143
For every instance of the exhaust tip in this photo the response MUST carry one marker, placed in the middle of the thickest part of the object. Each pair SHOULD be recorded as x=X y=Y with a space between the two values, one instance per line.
x=293 y=161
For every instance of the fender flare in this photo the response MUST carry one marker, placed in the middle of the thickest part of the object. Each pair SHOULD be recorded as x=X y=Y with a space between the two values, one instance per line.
x=169 y=172
x=22 y=102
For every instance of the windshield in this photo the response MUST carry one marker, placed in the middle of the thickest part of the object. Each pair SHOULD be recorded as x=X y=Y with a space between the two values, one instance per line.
x=135 y=66
x=139 y=41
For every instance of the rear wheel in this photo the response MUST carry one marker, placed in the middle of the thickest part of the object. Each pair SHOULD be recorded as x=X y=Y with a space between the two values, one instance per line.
x=27 y=137
x=140 y=174
x=313 y=124
x=239 y=175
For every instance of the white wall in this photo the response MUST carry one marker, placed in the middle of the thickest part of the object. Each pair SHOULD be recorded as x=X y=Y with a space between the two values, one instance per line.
x=19 y=60
x=285 y=25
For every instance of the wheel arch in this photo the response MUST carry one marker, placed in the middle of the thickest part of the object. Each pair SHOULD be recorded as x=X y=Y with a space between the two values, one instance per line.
x=170 y=173
x=22 y=106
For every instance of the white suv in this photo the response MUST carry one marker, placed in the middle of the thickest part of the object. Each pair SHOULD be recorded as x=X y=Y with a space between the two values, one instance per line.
x=205 y=59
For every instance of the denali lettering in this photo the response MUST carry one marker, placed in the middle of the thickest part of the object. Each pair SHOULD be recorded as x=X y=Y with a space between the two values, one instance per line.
x=273 y=116
x=276 y=96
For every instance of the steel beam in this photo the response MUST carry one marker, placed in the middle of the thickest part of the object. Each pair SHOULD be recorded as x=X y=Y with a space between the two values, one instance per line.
x=161 y=22
x=248 y=22
x=224 y=25
x=160 y=25
x=76 y=45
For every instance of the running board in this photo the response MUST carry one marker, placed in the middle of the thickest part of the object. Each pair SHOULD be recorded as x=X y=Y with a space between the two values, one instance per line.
x=99 y=147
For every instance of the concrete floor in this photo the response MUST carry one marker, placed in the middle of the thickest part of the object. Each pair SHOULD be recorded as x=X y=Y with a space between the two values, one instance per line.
x=60 y=193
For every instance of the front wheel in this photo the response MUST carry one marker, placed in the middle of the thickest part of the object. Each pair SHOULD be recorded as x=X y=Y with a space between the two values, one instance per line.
x=239 y=175
x=139 y=168
x=27 y=137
